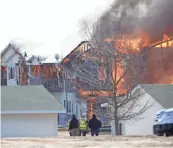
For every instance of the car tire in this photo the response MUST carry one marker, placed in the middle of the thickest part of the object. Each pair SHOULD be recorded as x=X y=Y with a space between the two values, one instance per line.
x=167 y=135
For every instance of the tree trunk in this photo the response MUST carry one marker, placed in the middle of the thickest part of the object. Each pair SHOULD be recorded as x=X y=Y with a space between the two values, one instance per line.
x=116 y=121
x=117 y=131
x=115 y=128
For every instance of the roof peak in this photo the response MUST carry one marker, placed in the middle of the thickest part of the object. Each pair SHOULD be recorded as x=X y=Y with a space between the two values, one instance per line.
x=162 y=93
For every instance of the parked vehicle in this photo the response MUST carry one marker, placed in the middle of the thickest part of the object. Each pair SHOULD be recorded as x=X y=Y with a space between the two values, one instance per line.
x=105 y=128
x=163 y=123
x=158 y=115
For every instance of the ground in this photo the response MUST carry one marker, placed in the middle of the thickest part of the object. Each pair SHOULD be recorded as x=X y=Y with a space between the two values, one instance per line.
x=103 y=141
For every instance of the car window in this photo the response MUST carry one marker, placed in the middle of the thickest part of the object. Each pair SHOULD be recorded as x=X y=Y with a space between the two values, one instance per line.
x=169 y=114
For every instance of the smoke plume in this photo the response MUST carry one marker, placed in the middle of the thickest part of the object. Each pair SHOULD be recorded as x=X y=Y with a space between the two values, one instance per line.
x=159 y=19
x=151 y=18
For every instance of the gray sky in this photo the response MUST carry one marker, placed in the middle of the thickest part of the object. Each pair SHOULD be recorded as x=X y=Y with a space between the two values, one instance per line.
x=46 y=27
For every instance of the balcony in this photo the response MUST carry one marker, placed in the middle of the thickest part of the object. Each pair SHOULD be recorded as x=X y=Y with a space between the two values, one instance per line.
x=99 y=85
x=60 y=85
x=54 y=85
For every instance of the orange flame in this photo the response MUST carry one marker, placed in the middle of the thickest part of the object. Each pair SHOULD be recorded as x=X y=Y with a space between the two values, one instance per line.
x=129 y=44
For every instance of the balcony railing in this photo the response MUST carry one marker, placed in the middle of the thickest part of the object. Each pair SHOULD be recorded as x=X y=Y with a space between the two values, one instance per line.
x=54 y=85
x=99 y=85
x=59 y=85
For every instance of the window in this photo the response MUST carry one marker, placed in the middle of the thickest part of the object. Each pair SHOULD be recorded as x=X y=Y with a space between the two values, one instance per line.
x=69 y=107
x=72 y=107
x=108 y=110
x=11 y=73
x=76 y=110
x=64 y=103
x=3 y=72
x=104 y=109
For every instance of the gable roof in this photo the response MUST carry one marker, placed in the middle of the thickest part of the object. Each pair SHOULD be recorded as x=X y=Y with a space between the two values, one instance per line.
x=5 y=50
x=28 y=98
x=67 y=56
x=162 y=93
x=15 y=51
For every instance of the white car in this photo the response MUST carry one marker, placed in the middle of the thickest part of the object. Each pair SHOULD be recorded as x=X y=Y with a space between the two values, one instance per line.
x=164 y=123
x=158 y=115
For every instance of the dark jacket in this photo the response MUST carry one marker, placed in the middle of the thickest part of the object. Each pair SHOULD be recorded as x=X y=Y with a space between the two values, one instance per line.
x=94 y=124
x=74 y=123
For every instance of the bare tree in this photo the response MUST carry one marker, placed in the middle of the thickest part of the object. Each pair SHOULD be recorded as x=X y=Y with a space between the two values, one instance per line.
x=120 y=68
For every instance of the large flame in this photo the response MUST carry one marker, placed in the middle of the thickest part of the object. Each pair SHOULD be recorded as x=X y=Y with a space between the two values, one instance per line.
x=130 y=44
x=134 y=44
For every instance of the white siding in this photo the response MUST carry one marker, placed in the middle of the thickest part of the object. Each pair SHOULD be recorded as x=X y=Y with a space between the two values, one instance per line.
x=29 y=125
x=143 y=126
x=77 y=107
x=14 y=59
x=10 y=59
x=59 y=96
x=7 y=57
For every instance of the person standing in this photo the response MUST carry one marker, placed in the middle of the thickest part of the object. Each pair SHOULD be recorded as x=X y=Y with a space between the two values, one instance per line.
x=83 y=128
x=74 y=126
x=95 y=125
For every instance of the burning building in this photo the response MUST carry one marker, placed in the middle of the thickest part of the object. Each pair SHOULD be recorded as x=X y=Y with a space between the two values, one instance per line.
x=159 y=65
x=137 y=28
x=155 y=60
x=143 y=29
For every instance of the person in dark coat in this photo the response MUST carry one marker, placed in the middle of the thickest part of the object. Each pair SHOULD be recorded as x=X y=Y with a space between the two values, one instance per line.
x=94 y=125
x=74 y=126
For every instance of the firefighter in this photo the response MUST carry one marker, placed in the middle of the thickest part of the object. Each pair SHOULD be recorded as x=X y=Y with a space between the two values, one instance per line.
x=83 y=128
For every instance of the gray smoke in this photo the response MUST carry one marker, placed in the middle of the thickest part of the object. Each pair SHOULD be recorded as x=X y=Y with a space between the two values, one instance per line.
x=130 y=16
x=159 y=19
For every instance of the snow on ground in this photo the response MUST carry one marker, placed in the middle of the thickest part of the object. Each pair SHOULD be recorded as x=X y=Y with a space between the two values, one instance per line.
x=103 y=141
